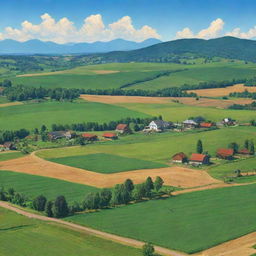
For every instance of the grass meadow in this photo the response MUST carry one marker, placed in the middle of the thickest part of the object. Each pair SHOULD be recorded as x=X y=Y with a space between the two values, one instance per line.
x=106 y=163
x=32 y=115
x=10 y=155
x=32 y=186
x=23 y=236
x=190 y=222
x=159 y=148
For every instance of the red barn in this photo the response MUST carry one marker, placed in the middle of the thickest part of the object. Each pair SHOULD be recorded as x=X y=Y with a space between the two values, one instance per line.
x=179 y=158
x=89 y=136
x=110 y=135
x=206 y=125
x=198 y=159
x=225 y=153
x=123 y=128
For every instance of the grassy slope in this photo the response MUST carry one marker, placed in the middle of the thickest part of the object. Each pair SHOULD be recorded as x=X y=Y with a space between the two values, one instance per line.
x=36 y=114
x=24 y=236
x=179 y=112
x=103 y=163
x=189 y=222
x=160 y=147
x=32 y=186
x=9 y=156
x=84 y=77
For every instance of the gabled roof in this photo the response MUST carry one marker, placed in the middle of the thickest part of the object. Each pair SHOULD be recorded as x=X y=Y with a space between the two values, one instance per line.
x=190 y=122
x=197 y=157
x=225 y=152
x=206 y=125
x=121 y=126
x=89 y=135
x=179 y=156
x=109 y=134
x=161 y=123
x=244 y=151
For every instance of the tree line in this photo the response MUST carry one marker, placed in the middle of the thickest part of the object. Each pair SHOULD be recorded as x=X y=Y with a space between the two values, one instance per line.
x=250 y=106
x=105 y=198
x=13 y=135
x=244 y=94
x=21 y=93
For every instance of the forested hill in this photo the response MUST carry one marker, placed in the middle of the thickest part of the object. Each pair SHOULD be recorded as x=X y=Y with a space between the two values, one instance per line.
x=225 y=47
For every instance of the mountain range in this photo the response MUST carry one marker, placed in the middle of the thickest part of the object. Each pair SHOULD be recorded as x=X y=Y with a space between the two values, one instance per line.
x=225 y=47
x=9 y=46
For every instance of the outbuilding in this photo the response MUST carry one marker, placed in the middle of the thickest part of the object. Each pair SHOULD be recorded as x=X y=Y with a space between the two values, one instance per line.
x=123 y=129
x=199 y=159
x=110 y=135
x=225 y=153
x=179 y=158
x=89 y=136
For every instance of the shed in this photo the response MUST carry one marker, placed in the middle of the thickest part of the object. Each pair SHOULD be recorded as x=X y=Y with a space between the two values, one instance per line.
x=179 y=158
x=225 y=153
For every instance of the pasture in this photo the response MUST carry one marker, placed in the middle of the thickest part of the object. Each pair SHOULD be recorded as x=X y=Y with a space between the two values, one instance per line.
x=160 y=147
x=106 y=163
x=190 y=222
x=4 y=156
x=24 y=236
x=32 y=115
x=114 y=75
x=33 y=185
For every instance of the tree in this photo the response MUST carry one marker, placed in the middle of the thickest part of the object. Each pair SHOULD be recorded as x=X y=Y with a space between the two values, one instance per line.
x=139 y=192
x=48 y=209
x=60 y=207
x=92 y=201
x=252 y=149
x=148 y=249
x=158 y=183
x=136 y=128
x=234 y=146
x=199 y=147
x=105 y=197
x=246 y=144
x=129 y=185
x=149 y=185
x=39 y=203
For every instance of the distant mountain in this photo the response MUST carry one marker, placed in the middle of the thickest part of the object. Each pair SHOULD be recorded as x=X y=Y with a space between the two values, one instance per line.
x=39 y=47
x=226 y=47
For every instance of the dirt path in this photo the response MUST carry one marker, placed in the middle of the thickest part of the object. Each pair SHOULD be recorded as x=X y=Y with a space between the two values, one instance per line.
x=218 y=92
x=173 y=176
x=10 y=104
x=104 y=235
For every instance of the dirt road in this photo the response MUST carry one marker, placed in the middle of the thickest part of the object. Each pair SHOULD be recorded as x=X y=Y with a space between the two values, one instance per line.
x=104 y=235
x=173 y=176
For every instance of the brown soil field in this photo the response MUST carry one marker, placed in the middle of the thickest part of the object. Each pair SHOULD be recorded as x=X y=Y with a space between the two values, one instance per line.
x=202 y=102
x=173 y=176
x=218 y=92
x=10 y=104
x=238 y=247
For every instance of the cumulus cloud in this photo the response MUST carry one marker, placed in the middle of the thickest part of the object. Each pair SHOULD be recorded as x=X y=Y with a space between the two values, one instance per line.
x=93 y=29
x=251 y=33
x=214 y=30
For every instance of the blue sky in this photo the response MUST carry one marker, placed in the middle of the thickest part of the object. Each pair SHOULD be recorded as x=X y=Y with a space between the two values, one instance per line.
x=129 y=19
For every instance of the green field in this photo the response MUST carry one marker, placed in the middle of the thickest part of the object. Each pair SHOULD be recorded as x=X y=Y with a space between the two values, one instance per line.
x=190 y=222
x=9 y=156
x=160 y=147
x=85 y=76
x=32 y=115
x=180 y=112
x=32 y=186
x=106 y=163
x=23 y=236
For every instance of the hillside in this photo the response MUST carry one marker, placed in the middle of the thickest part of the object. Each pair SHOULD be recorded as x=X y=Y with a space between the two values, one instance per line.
x=225 y=47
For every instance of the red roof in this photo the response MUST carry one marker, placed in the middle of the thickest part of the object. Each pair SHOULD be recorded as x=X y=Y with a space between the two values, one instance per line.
x=179 y=156
x=109 y=135
x=226 y=152
x=89 y=135
x=206 y=125
x=121 y=126
x=198 y=157
x=244 y=151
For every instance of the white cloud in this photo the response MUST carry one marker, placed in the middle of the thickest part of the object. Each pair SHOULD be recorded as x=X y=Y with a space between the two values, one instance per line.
x=251 y=33
x=93 y=29
x=214 y=30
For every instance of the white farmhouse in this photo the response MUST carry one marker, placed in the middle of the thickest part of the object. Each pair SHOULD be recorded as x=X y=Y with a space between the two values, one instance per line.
x=158 y=125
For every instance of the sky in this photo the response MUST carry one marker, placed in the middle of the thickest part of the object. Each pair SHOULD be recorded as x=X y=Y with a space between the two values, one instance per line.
x=69 y=21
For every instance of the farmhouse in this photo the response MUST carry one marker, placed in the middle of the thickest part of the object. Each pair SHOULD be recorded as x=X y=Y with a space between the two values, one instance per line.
x=123 y=128
x=9 y=146
x=158 y=126
x=228 y=121
x=179 y=158
x=198 y=159
x=206 y=125
x=110 y=135
x=190 y=123
x=89 y=136
x=225 y=153
x=60 y=134
x=244 y=151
